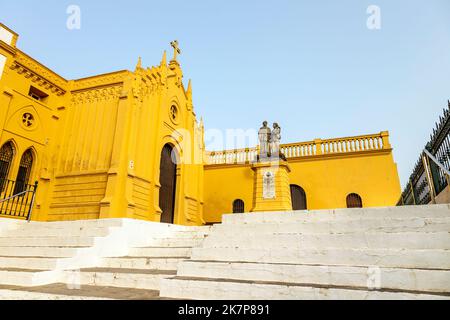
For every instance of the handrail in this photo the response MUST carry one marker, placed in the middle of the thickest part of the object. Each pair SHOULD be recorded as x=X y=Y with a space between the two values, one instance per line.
x=17 y=205
x=436 y=161
x=15 y=196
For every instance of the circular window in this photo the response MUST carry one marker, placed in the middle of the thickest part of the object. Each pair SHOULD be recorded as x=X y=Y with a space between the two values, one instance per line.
x=174 y=114
x=28 y=121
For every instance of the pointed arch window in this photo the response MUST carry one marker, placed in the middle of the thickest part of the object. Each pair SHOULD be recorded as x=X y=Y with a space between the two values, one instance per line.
x=23 y=176
x=6 y=158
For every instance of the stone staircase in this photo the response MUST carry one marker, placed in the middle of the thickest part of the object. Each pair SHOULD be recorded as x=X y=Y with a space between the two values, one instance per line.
x=92 y=259
x=376 y=253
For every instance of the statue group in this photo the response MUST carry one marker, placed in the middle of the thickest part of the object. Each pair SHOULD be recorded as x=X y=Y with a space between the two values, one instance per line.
x=269 y=141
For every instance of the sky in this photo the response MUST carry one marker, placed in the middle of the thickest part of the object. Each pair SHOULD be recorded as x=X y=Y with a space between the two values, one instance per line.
x=312 y=66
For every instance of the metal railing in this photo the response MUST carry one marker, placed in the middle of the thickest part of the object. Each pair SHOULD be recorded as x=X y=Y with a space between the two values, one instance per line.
x=430 y=178
x=17 y=199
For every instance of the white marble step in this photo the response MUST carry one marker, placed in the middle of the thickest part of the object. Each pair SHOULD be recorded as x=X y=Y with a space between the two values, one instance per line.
x=57 y=232
x=152 y=263
x=208 y=289
x=309 y=226
x=32 y=251
x=431 y=211
x=407 y=240
x=328 y=275
x=86 y=241
x=49 y=263
x=94 y=223
x=124 y=278
x=27 y=295
x=172 y=242
x=28 y=277
x=66 y=241
x=404 y=258
x=160 y=252
x=37 y=263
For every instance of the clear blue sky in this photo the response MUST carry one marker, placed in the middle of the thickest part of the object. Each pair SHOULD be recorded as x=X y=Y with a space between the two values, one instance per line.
x=312 y=66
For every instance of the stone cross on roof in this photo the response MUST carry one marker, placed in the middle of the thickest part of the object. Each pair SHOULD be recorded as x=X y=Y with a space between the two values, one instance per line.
x=176 y=49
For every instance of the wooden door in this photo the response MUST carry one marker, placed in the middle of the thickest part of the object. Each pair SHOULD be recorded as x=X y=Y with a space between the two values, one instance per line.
x=298 y=197
x=168 y=181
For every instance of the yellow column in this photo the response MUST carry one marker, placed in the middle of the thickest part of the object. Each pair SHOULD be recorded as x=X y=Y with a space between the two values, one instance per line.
x=271 y=190
x=115 y=204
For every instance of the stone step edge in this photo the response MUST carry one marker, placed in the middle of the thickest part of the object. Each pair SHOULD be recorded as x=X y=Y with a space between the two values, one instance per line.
x=143 y=257
x=307 y=264
x=159 y=247
x=24 y=270
x=309 y=285
x=26 y=295
x=47 y=246
x=128 y=271
x=61 y=290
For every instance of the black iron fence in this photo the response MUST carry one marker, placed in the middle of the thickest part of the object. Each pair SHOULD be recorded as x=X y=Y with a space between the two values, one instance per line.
x=17 y=198
x=430 y=175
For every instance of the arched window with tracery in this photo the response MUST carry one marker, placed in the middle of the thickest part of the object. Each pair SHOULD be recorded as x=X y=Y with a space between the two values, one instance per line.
x=238 y=206
x=6 y=158
x=354 y=201
x=23 y=176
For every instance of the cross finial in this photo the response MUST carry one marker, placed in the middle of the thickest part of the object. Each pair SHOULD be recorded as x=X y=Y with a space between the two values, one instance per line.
x=176 y=49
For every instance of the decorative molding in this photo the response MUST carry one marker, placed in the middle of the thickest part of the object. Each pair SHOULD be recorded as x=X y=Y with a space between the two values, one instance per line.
x=106 y=79
x=97 y=94
x=39 y=76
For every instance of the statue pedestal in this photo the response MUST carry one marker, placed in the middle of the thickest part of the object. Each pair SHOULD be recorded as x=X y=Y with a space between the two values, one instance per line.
x=271 y=190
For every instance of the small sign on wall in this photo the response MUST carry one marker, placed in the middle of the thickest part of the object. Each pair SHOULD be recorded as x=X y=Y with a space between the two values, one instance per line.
x=268 y=185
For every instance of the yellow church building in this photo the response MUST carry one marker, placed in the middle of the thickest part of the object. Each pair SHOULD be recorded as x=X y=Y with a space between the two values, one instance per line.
x=128 y=144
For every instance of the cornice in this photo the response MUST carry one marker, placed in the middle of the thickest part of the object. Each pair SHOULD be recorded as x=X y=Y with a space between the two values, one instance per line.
x=8 y=48
x=112 y=78
x=39 y=74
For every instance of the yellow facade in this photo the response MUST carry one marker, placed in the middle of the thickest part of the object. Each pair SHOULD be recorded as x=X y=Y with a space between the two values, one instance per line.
x=327 y=170
x=97 y=143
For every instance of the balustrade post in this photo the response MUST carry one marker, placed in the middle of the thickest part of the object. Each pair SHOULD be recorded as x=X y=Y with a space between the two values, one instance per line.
x=385 y=139
x=318 y=143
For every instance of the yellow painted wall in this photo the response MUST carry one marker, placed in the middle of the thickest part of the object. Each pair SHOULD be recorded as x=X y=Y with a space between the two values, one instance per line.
x=223 y=185
x=326 y=179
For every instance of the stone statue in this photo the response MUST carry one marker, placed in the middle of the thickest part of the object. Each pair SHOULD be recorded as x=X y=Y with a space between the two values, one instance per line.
x=264 y=134
x=275 y=139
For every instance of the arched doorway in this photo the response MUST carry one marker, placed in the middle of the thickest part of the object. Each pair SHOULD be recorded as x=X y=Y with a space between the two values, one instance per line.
x=354 y=201
x=168 y=181
x=298 y=197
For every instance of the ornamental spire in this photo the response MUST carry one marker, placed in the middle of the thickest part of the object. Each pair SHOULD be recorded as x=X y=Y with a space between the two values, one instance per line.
x=164 y=59
x=189 y=90
x=139 y=64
